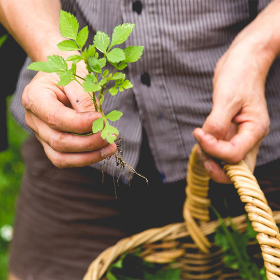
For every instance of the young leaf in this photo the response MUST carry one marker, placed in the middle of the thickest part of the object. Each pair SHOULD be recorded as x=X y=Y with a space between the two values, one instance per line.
x=102 y=62
x=122 y=65
x=105 y=73
x=75 y=58
x=89 y=86
x=101 y=41
x=91 y=77
x=97 y=125
x=113 y=90
x=111 y=138
x=114 y=115
x=68 y=45
x=121 y=33
x=101 y=99
x=133 y=53
x=118 y=76
x=102 y=82
x=116 y=55
x=66 y=78
x=68 y=25
x=94 y=64
x=107 y=133
x=40 y=66
x=82 y=37
x=88 y=52
x=127 y=84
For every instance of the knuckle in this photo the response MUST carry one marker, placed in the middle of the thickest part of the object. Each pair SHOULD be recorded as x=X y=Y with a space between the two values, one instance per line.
x=86 y=104
x=57 y=142
x=25 y=98
x=51 y=120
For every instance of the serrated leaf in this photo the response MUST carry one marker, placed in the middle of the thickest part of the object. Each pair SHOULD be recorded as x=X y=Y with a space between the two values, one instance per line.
x=116 y=55
x=40 y=66
x=68 y=45
x=133 y=53
x=94 y=63
x=121 y=33
x=66 y=78
x=82 y=37
x=97 y=125
x=127 y=84
x=68 y=25
x=89 y=86
x=75 y=58
x=55 y=63
x=114 y=115
x=102 y=62
x=88 y=52
x=101 y=41
x=118 y=76
x=91 y=77
x=113 y=91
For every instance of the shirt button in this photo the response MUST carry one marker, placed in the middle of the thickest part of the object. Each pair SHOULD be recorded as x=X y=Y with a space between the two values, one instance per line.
x=137 y=7
x=145 y=79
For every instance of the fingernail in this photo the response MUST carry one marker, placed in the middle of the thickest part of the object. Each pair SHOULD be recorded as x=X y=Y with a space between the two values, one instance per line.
x=208 y=166
x=107 y=151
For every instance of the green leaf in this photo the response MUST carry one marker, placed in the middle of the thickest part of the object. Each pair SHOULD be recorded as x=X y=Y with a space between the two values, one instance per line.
x=113 y=91
x=68 y=45
x=97 y=125
x=118 y=76
x=40 y=66
x=66 y=78
x=88 y=52
x=74 y=68
x=102 y=62
x=116 y=55
x=101 y=41
x=121 y=33
x=75 y=58
x=102 y=82
x=105 y=73
x=107 y=133
x=133 y=53
x=114 y=115
x=94 y=64
x=91 y=77
x=127 y=84
x=68 y=25
x=3 y=39
x=101 y=99
x=54 y=63
x=89 y=86
x=122 y=65
x=82 y=37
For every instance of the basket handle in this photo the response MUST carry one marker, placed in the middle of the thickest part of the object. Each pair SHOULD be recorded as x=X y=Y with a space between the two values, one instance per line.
x=196 y=209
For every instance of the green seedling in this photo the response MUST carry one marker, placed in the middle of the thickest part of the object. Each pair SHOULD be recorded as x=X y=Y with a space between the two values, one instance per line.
x=96 y=57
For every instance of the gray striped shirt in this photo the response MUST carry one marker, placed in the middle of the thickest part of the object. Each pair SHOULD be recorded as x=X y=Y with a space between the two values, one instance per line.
x=183 y=41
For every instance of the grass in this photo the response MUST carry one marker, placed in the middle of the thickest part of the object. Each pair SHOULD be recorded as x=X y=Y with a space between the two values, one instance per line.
x=11 y=170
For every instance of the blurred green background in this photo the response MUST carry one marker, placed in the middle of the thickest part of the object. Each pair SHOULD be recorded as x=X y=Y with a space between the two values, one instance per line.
x=11 y=170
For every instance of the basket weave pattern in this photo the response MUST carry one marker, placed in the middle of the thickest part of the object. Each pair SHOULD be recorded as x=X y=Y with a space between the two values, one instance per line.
x=189 y=245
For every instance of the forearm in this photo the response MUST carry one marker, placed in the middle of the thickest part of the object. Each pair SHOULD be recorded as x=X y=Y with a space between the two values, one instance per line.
x=34 y=24
x=260 y=40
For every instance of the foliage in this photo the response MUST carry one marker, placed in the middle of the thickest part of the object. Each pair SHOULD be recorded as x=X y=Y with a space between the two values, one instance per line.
x=234 y=246
x=11 y=170
x=3 y=39
x=96 y=82
x=133 y=267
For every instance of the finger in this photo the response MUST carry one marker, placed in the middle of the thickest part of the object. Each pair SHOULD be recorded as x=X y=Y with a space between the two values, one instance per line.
x=66 y=142
x=213 y=169
x=56 y=115
x=66 y=160
x=236 y=148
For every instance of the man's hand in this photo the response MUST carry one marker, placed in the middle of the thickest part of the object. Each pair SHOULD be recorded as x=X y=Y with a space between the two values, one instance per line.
x=239 y=118
x=53 y=112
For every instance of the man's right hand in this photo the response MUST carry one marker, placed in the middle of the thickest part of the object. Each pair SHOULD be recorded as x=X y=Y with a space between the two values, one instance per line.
x=53 y=112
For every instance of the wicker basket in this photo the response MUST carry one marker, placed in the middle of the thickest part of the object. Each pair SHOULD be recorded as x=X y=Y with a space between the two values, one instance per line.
x=190 y=244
